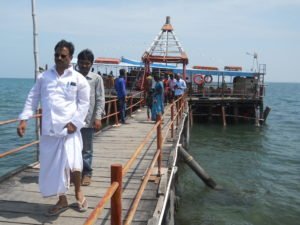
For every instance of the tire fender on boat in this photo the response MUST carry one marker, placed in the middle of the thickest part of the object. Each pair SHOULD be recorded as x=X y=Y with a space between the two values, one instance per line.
x=198 y=79
x=208 y=79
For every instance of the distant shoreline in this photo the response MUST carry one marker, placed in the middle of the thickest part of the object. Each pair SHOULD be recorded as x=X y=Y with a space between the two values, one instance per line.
x=16 y=78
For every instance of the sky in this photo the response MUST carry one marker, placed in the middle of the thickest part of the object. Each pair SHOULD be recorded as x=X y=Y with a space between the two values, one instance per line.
x=212 y=32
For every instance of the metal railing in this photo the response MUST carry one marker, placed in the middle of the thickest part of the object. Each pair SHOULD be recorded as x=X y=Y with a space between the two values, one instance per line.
x=215 y=90
x=114 y=192
x=111 y=112
x=15 y=150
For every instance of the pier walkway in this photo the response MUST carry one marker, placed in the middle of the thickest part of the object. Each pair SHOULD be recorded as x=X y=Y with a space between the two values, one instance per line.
x=22 y=203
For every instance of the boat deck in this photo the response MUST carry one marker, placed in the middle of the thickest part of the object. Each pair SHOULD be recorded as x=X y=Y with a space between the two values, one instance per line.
x=22 y=203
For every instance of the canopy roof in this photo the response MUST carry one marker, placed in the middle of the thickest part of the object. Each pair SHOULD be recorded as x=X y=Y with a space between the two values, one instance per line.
x=166 y=47
x=107 y=60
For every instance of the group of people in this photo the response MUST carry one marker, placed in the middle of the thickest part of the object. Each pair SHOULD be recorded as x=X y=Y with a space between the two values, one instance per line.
x=73 y=103
x=161 y=91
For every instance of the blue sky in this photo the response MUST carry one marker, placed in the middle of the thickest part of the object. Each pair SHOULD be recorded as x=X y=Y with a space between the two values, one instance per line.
x=212 y=32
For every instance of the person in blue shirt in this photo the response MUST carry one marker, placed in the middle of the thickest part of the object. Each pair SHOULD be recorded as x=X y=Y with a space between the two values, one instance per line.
x=158 y=98
x=120 y=86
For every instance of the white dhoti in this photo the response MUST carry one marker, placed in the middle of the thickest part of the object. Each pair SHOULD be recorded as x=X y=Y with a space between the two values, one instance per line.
x=59 y=155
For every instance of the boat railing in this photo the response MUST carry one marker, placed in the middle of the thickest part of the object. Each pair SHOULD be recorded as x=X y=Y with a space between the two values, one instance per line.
x=114 y=191
x=229 y=90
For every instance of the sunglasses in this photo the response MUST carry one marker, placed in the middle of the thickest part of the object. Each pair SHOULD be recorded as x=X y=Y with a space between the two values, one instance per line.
x=56 y=55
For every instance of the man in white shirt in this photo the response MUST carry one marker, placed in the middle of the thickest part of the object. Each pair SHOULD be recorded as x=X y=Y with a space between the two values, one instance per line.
x=64 y=97
x=180 y=86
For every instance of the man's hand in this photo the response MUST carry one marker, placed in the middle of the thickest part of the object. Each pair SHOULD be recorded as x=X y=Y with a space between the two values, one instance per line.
x=71 y=128
x=21 y=128
x=97 y=125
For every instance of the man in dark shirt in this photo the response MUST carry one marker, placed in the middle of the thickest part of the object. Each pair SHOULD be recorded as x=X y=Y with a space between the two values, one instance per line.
x=120 y=87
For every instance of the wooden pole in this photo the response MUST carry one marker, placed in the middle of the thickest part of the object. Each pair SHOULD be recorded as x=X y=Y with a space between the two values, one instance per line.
x=223 y=116
x=35 y=46
x=236 y=113
x=191 y=119
x=36 y=63
x=116 y=112
x=116 y=200
x=210 y=113
x=266 y=113
x=197 y=168
x=256 y=109
x=187 y=133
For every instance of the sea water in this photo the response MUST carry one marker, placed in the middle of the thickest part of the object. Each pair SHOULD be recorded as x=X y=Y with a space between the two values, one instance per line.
x=13 y=93
x=257 y=168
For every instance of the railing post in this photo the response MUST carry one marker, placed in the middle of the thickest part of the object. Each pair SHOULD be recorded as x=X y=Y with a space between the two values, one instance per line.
x=172 y=118
x=38 y=126
x=116 y=112
x=142 y=98
x=159 y=143
x=180 y=108
x=177 y=112
x=108 y=112
x=116 y=199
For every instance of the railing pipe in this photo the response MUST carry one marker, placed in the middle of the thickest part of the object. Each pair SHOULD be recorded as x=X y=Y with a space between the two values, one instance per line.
x=159 y=142
x=138 y=196
x=116 y=200
x=116 y=205
x=142 y=97
x=18 y=149
x=172 y=119
x=137 y=151
x=131 y=102
x=177 y=113
x=16 y=120
x=173 y=171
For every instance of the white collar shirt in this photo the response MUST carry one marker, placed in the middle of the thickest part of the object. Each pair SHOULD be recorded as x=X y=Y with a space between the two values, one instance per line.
x=64 y=98
x=180 y=87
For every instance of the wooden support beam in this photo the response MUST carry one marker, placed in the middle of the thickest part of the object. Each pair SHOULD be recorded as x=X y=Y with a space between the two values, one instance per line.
x=223 y=115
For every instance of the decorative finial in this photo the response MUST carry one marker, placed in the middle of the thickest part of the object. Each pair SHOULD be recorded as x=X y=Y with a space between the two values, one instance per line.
x=168 y=20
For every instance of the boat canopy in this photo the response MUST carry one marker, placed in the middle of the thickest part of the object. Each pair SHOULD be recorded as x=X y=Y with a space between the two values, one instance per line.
x=125 y=62
x=107 y=60
x=153 y=65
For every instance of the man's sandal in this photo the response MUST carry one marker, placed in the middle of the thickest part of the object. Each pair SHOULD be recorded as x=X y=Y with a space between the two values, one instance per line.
x=82 y=206
x=56 y=209
x=86 y=181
